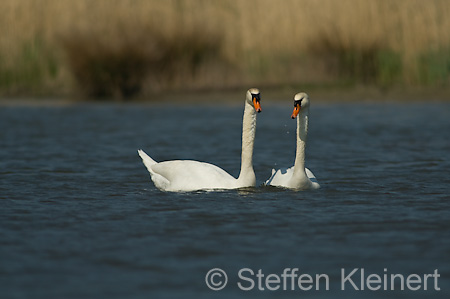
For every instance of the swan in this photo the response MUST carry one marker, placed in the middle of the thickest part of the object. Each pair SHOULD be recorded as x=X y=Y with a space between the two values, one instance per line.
x=297 y=176
x=188 y=175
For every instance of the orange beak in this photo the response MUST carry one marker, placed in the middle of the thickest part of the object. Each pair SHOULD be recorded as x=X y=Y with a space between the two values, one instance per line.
x=257 y=105
x=296 y=111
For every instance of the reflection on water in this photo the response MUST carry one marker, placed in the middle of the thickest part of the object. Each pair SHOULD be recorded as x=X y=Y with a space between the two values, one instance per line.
x=81 y=218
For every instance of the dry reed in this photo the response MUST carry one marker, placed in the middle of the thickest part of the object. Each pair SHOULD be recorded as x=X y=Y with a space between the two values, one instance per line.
x=125 y=47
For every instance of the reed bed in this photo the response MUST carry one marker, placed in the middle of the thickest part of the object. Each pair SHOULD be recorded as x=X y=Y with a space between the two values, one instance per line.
x=125 y=48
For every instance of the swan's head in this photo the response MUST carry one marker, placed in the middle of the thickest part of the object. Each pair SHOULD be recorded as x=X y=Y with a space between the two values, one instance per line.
x=254 y=98
x=301 y=101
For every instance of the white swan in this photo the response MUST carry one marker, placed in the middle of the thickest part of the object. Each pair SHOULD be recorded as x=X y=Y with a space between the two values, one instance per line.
x=297 y=177
x=187 y=175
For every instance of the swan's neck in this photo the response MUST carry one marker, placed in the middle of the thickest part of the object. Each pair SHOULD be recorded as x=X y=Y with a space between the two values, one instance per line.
x=247 y=175
x=302 y=132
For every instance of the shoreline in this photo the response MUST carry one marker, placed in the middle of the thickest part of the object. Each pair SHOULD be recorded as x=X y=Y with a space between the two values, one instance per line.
x=321 y=94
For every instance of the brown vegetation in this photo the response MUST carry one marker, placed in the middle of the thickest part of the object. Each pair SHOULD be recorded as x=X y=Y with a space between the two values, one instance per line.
x=127 y=47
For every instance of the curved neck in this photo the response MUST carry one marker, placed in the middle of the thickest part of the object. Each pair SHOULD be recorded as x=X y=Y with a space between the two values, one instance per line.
x=302 y=132
x=248 y=139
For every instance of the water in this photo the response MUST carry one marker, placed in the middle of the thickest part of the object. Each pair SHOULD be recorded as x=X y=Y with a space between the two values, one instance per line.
x=80 y=217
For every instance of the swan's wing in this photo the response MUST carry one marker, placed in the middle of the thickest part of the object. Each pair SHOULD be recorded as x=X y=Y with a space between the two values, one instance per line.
x=160 y=181
x=310 y=175
x=186 y=175
x=312 y=178
x=280 y=177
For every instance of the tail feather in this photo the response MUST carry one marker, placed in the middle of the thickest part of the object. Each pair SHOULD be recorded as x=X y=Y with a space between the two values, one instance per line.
x=148 y=162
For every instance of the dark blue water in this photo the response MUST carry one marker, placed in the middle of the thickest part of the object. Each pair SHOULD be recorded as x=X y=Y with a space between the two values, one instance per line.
x=80 y=217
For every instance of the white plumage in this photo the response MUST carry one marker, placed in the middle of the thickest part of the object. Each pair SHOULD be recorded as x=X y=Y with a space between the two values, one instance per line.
x=188 y=175
x=297 y=177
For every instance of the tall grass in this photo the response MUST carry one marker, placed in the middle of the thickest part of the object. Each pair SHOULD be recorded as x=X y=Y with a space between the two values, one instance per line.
x=124 y=48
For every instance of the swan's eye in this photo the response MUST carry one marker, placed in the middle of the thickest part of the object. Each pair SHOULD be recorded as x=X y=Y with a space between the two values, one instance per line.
x=256 y=97
x=298 y=102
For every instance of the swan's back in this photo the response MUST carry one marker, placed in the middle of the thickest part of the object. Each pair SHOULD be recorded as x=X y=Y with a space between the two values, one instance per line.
x=187 y=175
x=283 y=178
x=280 y=177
